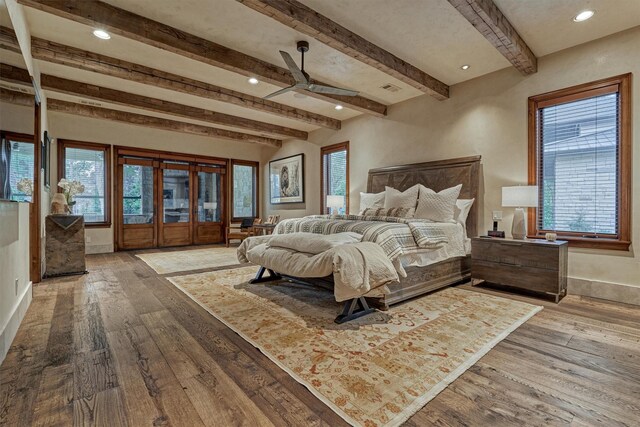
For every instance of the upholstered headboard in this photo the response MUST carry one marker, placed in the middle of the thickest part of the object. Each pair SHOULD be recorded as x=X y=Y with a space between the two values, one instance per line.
x=436 y=175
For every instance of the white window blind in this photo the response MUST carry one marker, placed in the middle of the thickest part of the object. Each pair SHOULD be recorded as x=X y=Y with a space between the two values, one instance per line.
x=335 y=177
x=578 y=153
x=88 y=167
x=244 y=191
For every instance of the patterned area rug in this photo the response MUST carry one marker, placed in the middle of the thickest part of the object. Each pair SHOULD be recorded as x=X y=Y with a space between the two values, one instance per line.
x=375 y=371
x=195 y=259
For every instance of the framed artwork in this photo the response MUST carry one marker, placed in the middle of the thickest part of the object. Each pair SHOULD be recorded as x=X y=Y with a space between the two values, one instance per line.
x=45 y=161
x=286 y=180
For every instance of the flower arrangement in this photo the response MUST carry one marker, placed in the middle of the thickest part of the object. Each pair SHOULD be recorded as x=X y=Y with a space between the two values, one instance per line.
x=25 y=185
x=70 y=189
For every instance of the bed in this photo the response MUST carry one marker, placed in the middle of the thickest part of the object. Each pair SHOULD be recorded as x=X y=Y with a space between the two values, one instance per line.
x=443 y=269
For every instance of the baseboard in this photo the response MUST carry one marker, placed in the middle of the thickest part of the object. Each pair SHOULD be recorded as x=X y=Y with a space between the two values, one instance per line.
x=10 y=330
x=610 y=291
x=98 y=249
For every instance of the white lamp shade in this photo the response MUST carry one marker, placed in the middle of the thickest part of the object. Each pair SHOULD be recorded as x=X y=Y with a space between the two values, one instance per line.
x=335 y=202
x=523 y=196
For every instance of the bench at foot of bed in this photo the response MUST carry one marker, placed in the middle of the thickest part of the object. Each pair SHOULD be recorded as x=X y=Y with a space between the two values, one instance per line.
x=352 y=309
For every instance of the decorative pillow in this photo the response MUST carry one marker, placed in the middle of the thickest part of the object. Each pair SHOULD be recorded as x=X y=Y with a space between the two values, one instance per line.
x=371 y=200
x=401 y=199
x=461 y=210
x=437 y=207
x=395 y=212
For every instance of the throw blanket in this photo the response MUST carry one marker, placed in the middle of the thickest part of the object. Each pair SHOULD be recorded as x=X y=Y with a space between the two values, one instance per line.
x=396 y=236
x=358 y=268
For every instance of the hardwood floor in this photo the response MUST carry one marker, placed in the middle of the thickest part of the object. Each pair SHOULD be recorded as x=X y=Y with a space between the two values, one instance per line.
x=122 y=346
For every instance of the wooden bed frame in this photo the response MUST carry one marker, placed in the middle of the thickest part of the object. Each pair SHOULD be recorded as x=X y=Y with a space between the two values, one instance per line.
x=436 y=175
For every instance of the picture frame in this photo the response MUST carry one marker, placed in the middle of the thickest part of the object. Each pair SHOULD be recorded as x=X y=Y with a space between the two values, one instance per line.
x=286 y=180
x=45 y=160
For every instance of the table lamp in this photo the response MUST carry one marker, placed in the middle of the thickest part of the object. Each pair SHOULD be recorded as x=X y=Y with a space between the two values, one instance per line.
x=519 y=197
x=335 y=202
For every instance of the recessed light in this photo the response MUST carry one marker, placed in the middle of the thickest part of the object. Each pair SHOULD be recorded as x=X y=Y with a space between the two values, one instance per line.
x=465 y=67
x=101 y=34
x=338 y=107
x=583 y=16
x=253 y=81
x=299 y=95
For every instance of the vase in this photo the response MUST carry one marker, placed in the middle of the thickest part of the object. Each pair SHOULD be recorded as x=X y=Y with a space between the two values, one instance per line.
x=59 y=205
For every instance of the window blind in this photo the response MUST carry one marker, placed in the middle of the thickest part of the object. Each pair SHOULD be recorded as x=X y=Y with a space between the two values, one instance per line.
x=22 y=166
x=244 y=191
x=578 y=154
x=88 y=167
x=335 y=176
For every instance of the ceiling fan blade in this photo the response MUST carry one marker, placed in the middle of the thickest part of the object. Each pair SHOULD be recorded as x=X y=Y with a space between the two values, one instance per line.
x=297 y=74
x=330 y=90
x=280 y=92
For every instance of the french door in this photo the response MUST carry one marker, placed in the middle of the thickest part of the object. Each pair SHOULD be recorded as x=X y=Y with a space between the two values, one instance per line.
x=137 y=206
x=169 y=202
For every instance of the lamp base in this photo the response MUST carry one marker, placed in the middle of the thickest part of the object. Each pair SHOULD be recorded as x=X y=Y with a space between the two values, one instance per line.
x=519 y=227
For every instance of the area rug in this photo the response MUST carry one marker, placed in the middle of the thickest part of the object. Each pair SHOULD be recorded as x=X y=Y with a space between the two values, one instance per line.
x=375 y=371
x=189 y=260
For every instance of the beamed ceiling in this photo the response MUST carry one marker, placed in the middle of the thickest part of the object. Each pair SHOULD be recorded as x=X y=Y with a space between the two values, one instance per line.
x=191 y=65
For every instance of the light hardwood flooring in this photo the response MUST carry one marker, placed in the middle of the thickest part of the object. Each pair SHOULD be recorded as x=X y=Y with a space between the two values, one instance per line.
x=122 y=346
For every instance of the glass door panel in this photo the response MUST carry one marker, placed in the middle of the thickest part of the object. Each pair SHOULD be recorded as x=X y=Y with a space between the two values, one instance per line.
x=209 y=197
x=208 y=224
x=176 y=206
x=137 y=204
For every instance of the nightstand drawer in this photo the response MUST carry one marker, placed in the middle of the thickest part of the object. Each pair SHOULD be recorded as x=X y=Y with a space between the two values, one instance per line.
x=522 y=277
x=516 y=253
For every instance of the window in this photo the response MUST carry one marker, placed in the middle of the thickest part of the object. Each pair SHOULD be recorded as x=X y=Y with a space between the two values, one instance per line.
x=335 y=179
x=579 y=157
x=20 y=151
x=244 y=202
x=90 y=164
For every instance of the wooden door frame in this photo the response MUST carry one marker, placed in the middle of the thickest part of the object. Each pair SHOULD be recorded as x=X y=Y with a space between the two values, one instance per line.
x=223 y=192
x=161 y=224
x=35 y=241
x=118 y=239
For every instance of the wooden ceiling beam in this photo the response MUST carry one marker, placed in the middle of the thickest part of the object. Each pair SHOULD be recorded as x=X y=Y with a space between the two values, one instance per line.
x=135 y=27
x=21 y=76
x=485 y=16
x=17 y=98
x=156 y=122
x=301 y=18
x=44 y=50
x=98 y=93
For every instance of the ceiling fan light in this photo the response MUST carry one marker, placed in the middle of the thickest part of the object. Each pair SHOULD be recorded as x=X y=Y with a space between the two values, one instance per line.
x=583 y=16
x=101 y=34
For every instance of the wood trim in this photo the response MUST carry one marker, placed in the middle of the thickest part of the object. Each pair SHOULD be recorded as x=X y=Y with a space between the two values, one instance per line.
x=150 y=153
x=256 y=181
x=135 y=27
x=157 y=122
x=57 y=53
x=485 y=16
x=323 y=190
x=621 y=84
x=99 y=93
x=66 y=143
x=302 y=18
x=35 y=240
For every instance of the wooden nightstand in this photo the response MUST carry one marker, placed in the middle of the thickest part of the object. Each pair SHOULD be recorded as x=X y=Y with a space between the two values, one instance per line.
x=534 y=265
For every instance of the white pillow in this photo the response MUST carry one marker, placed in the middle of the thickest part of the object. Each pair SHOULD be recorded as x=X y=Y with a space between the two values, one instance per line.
x=401 y=199
x=437 y=207
x=461 y=210
x=371 y=200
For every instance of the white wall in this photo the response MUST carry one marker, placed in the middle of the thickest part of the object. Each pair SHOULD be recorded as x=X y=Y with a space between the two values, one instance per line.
x=15 y=288
x=486 y=116
x=64 y=126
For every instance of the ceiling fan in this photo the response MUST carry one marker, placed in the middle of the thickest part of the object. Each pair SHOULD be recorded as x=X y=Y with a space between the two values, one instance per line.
x=303 y=81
